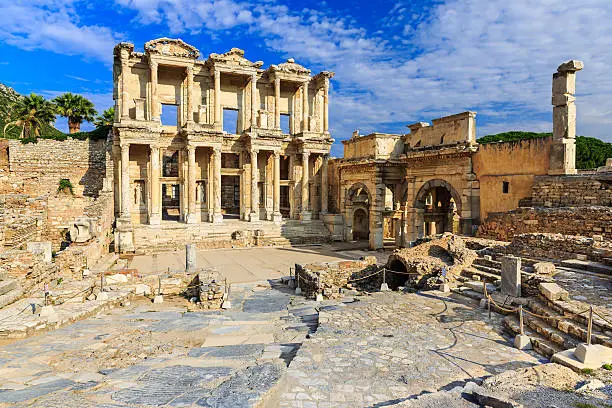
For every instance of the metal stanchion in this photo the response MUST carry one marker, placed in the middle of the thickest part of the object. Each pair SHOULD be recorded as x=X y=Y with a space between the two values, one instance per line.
x=158 y=298
x=522 y=331
x=384 y=287
x=590 y=326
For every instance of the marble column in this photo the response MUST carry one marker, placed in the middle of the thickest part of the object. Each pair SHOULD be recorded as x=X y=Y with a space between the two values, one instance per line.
x=276 y=215
x=154 y=108
x=277 y=103
x=306 y=215
x=254 y=216
x=253 y=101
x=326 y=106
x=218 y=124
x=217 y=217
x=305 y=109
x=189 y=72
x=191 y=217
x=125 y=68
x=125 y=181
x=155 y=216
x=324 y=185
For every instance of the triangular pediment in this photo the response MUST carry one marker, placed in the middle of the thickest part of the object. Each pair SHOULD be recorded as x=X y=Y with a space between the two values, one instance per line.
x=234 y=57
x=291 y=67
x=172 y=48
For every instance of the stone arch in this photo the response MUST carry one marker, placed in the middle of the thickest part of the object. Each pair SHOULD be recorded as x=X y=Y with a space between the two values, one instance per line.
x=357 y=208
x=443 y=215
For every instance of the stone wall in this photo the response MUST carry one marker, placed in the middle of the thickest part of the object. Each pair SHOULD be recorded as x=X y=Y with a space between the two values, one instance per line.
x=575 y=190
x=329 y=277
x=560 y=247
x=584 y=221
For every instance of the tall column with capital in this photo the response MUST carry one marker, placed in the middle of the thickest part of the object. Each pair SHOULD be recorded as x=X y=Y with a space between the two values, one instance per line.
x=306 y=215
x=217 y=217
x=276 y=215
x=154 y=103
x=218 y=124
x=253 y=101
x=125 y=181
x=189 y=107
x=125 y=96
x=305 y=109
x=155 y=215
x=191 y=186
x=324 y=185
x=326 y=106
x=277 y=103
x=254 y=216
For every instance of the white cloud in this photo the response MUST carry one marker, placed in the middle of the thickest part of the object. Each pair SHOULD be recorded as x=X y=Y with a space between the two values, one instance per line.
x=53 y=25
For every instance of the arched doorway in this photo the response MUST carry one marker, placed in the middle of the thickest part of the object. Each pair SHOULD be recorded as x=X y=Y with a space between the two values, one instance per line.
x=361 y=229
x=440 y=208
x=357 y=212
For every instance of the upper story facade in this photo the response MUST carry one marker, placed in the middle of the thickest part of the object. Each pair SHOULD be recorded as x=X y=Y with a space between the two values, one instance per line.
x=169 y=89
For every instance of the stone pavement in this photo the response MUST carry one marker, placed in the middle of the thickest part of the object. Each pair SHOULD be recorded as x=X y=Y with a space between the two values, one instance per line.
x=391 y=348
x=240 y=265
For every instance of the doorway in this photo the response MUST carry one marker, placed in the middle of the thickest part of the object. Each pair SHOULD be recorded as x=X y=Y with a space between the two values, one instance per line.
x=171 y=202
x=230 y=196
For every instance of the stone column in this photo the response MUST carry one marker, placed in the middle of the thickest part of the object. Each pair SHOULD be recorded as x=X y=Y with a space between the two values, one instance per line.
x=254 y=216
x=218 y=123
x=191 y=217
x=217 y=217
x=326 y=106
x=276 y=216
x=324 y=185
x=563 y=149
x=155 y=216
x=189 y=72
x=511 y=276
x=125 y=181
x=125 y=96
x=305 y=109
x=154 y=108
x=253 y=101
x=306 y=214
x=277 y=103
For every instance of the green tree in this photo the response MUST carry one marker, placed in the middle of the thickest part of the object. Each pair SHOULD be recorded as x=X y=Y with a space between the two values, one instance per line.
x=76 y=108
x=30 y=113
x=106 y=119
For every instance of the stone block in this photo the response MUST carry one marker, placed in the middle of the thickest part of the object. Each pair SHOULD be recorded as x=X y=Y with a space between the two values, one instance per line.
x=511 y=276
x=444 y=288
x=158 y=299
x=102 y=296
x=115 y=279
x=544 y=268
x=552 y=291
x=190 y=257
x=142 y=289
x=82 y=229
x=522 y=342
x=478 y=286
x=593 y=354
x=43 y=248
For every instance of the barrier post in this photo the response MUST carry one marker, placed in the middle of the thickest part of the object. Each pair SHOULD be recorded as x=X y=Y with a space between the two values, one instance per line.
x=590 y=326
x=384 y=287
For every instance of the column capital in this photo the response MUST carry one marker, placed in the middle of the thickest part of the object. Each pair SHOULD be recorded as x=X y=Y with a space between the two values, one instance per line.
x=217 y=150
x=189 y=69
x=154 y=147
x=191 y=148
x=306 y=154
x=276 y=154
x=153 y=63
x=124 y=144
x=254 y=150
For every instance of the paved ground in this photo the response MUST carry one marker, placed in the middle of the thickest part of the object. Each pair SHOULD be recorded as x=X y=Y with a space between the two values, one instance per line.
x=252 y=264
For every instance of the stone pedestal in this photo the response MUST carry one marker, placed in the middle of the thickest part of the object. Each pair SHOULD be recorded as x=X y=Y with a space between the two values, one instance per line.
x=190 y=257
x=511 y=276
x=191 y=219
x=254 y=217
x=43 y=248
x=306 y=216
x=158 y=299
x=522 y=342
x=444 y=288
x=102 y=296
x=593 y=354
x=155 y=219
x=216 y=218
x=277 y=217
x=124 y=237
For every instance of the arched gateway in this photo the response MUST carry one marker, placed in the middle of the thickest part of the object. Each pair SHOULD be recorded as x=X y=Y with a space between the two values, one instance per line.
x=438 y=206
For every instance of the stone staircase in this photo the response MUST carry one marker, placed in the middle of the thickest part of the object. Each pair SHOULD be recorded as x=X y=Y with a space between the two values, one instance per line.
x=10 y=290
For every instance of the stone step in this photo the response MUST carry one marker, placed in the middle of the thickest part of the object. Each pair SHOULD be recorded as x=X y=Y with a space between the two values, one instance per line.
x=7 y=286
x=539 y=343
x=554 y=335
x=491 y=263
x=571 y=307
x=588 y=266
x=485 y=276
x=10 y=297
x=488 y=269
x=3 y=276
x=568 y=326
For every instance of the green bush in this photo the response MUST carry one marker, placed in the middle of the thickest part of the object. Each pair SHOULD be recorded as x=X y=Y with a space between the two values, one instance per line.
x=65 y=184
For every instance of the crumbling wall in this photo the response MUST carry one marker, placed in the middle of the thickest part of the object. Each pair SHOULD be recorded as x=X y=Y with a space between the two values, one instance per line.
x=575 y=190
x=559 y=247
x=584 y=221
x=327 y=278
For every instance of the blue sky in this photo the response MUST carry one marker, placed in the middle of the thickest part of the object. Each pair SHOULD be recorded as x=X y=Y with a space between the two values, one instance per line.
x=396 y=62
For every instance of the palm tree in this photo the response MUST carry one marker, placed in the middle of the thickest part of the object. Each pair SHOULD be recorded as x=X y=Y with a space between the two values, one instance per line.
x=30 y=113
x=76 y=108
x=106 y=119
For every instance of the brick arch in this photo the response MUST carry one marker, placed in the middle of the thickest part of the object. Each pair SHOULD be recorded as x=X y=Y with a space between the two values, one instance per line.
x=419 y=201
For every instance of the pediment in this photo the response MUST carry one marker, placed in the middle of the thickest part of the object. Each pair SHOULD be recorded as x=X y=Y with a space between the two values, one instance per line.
x=291 y=67
x=172 y=48
x=234 y=57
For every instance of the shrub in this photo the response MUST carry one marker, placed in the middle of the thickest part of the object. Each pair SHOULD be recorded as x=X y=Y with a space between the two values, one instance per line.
x=65 y=184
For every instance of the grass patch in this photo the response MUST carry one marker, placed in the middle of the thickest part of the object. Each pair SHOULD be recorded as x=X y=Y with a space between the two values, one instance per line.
x=587 y=371
x=607 y=367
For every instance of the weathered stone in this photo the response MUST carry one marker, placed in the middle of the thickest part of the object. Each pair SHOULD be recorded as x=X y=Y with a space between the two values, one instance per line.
x=552 y=291
x=544 y=268
x=43 y=248
x=511 y=276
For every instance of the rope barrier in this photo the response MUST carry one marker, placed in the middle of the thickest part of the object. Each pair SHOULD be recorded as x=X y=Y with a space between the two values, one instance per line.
x=602 y=317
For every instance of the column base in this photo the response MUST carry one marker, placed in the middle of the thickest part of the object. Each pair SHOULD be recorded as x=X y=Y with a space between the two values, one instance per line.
x=277 y=217
x=253 y=217
x=124 y=237
x=191 y=219
x=216 y=218
x=306 y=216
x=154 y=219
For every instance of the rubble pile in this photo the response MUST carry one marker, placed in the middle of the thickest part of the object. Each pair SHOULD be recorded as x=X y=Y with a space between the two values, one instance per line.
x=330 y=277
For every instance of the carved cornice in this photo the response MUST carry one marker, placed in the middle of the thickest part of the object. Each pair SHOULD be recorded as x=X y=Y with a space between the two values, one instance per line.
x=290 y=67
x=233 y=58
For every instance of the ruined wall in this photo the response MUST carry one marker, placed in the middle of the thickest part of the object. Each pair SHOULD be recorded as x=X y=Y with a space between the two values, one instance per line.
x=575 y=190
x=584 y=221
x=560 y=247
x=448 y=130
x=375 y=145
x=516 y=163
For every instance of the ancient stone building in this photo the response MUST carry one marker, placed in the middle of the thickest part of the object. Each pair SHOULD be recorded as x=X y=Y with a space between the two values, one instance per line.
x=201 y=141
